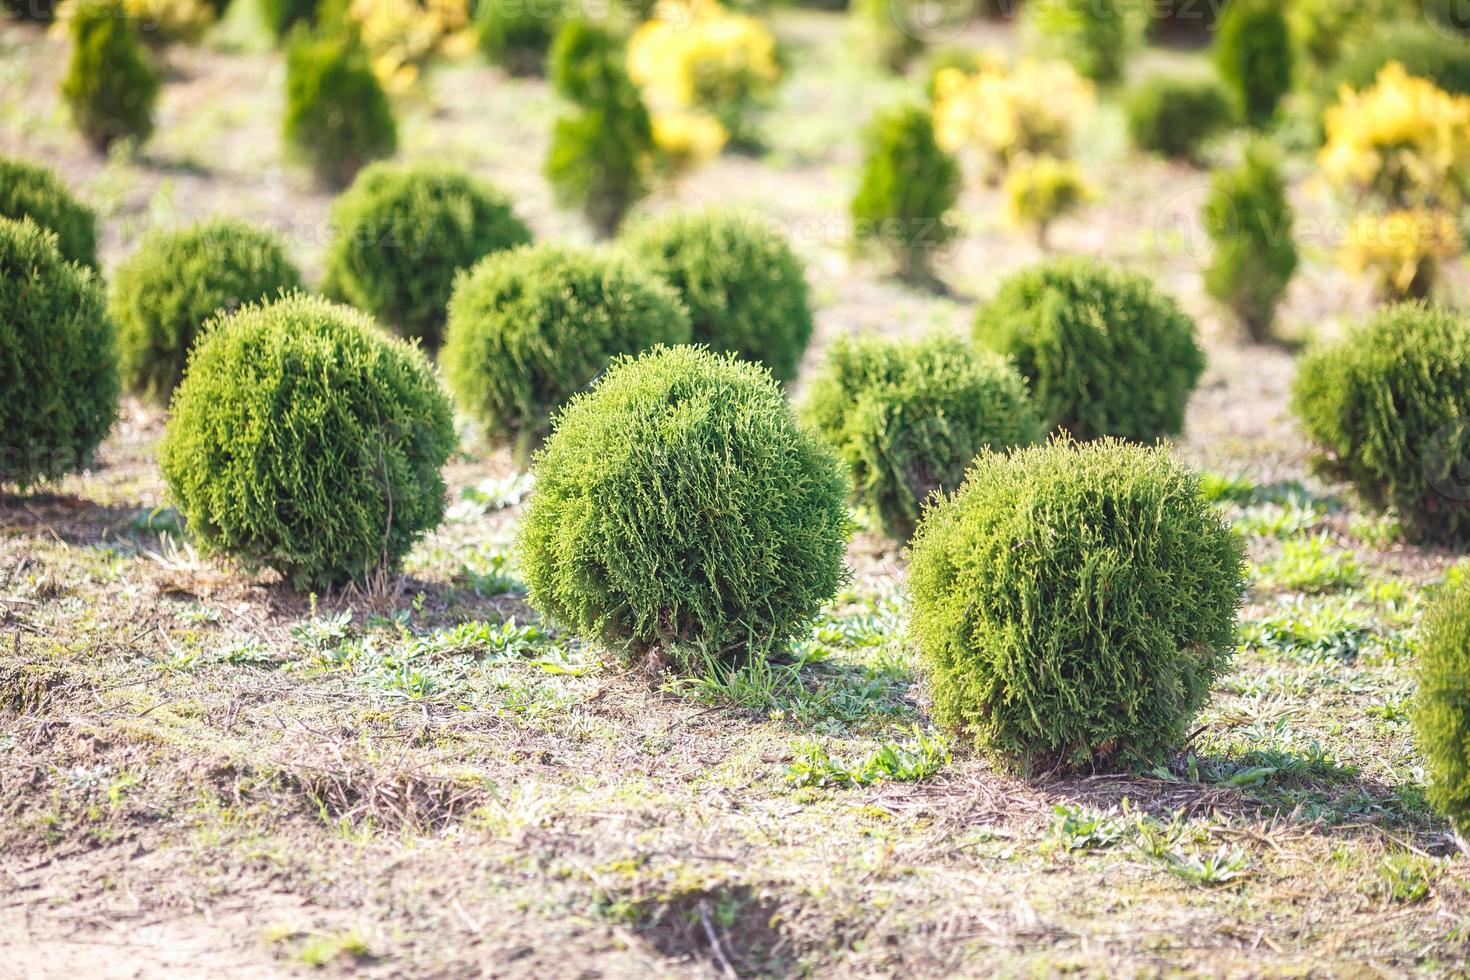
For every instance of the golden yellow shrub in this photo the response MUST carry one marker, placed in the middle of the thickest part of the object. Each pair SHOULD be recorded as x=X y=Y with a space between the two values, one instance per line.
x=1030 y=110
x=401 y=35
x=1040 y=191
x=1401 y=250
x=703 y=58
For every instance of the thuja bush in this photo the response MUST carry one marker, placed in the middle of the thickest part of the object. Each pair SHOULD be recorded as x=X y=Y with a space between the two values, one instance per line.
x=402 y=233
x=517 y=34
x=1389 y=404
x=109 y=86
x=28 y=190
x=1104 y=351
x=601 y=151
x=1072 y=604
x=680 y=515
x=1175 y=116
x=1094 y=36
x=743 y=286
x=1442 y=705
x=304 y=440
x=337 y=115
x=1424 y=53
x=58 y=359
x=1253 y=53
x=907 y=417
x=1250 y=224
x=530 y=327
x=906 y=190
x=175 y=281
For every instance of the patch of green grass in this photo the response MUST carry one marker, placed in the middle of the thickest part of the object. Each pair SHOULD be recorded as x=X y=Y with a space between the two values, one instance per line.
x=910 y=762
x=1404 y=879
x=1310 y=565
x=1310 y=631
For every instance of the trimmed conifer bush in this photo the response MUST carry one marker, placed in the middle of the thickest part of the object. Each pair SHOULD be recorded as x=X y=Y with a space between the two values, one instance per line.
x=1424 y=53
x=680 y=515
x=337 y=115
x=602 y=150
x=175 y=281
x=1104 y=351
x=1073 y=604
x=1254 y=55
x=1094 y=36
x=28 y=190
x=1390 y=406
x=58 y=359
x=1250 y=223
x=1175 y=116
x=304 y=440
x=109 y=86
x=402 y=233
x=517 y=34
x=907 y=189
x=744 y=288
x=907 y=417
x=1442 y=705
x=530 y=327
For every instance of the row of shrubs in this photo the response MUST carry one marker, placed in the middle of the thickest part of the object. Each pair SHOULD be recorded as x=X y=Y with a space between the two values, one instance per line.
x=1072 y=603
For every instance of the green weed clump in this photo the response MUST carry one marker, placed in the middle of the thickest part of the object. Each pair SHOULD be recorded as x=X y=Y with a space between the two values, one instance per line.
x=517 y=34
x=1250 y=224
x=110 y=86
x=1389 y=404
x=907 y=188
x=1442 y=706
x=1073 y=604
x=58 y=359
x=337 y=115
x=29 y=190
x=304 y=440
x=908 y=417
x=744 y=287
x=175 y=281
x=1105 y=352
x=681 y=517
x=1174 y=117
x=402 y=233
x=1254 y=56
x=530 y=327
x=601 y=152
x=1094 y=36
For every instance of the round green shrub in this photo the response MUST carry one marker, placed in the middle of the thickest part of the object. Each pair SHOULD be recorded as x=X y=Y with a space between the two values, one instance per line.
x=28 y=190
x=599 y=155
x=175 y=281
x=1442 y=705
x=517 y=34
x=530 y=327
x=1175 y=116
x=1072 y=604
x=109 y=86
x=1105 y=352
x=745 y=289
x=401 y=235
x=1250 y=223
x=680 y=515
x=906 y=190
x=58 y=359
x=1253 y=53
x=304 y=440
x=1390 y=405
x=1094 y=36
x=907 y=417
x=337 y=115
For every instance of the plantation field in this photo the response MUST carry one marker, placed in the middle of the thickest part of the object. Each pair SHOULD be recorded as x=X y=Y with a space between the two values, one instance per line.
x=205 y=773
